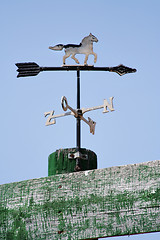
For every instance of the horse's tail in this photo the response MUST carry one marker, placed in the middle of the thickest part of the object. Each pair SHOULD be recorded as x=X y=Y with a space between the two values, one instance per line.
x=57 y=47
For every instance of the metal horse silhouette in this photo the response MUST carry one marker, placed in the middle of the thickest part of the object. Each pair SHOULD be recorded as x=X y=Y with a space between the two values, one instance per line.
x=85 y=47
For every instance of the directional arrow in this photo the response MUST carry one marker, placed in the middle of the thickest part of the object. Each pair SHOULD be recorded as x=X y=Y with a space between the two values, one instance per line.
x=33 y=69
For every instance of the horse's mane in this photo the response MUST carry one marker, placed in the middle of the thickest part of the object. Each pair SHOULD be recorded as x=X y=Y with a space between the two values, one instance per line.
x=84 y=39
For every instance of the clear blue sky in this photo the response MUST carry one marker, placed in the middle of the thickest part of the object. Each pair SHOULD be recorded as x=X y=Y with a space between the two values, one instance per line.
x=128 y=33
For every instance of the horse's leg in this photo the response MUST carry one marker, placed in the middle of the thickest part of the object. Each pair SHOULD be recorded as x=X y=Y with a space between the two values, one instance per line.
x=75 y=59
x=95 y=57
x=86 y=59
x=66 y=56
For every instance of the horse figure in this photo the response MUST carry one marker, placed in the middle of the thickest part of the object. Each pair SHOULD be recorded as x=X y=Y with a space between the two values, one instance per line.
x=85 y=47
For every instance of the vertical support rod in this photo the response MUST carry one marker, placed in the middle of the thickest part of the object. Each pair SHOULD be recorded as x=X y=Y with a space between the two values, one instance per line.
x=78 y=107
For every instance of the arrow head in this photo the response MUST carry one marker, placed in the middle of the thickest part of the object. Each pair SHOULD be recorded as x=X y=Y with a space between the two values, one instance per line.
x=121 y=69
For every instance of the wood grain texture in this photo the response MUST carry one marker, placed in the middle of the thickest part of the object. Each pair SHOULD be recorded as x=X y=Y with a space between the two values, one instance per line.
x=85 y=205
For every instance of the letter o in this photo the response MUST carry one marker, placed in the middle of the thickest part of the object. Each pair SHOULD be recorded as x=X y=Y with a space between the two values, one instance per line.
x=64 y=103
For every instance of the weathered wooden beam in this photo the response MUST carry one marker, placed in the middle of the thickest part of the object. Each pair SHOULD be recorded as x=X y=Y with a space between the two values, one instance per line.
x=85 y=205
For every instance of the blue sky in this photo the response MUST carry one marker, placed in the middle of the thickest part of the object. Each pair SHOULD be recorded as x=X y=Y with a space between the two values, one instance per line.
x=128 y=33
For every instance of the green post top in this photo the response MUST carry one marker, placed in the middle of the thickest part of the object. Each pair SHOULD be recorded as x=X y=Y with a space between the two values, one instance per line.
x=64 y=161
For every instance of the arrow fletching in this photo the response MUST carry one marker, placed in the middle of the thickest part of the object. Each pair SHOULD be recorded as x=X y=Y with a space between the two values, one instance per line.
x=27 y=69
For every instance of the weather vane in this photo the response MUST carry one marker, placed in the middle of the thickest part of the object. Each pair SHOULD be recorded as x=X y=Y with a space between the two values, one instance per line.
x=85 y=47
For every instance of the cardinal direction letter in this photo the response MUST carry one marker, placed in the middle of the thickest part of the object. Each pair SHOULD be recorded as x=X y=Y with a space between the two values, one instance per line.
x=49 y=122
x=109 y=105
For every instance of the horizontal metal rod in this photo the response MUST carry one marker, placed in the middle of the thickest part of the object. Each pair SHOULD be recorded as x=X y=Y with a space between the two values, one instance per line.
x=73 y=68
x=33 y=69
x=120 y=69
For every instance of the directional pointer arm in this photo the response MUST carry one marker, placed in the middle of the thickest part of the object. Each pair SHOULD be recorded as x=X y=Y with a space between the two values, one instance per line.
x=33 y=69
x=105 y=105
x=91 y=124
x=51 y=119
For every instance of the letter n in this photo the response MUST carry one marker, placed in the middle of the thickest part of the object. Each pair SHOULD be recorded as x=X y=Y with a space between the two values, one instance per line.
x=109 y=105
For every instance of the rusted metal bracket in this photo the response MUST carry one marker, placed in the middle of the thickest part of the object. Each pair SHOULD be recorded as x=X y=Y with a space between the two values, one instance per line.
x=77 y=155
